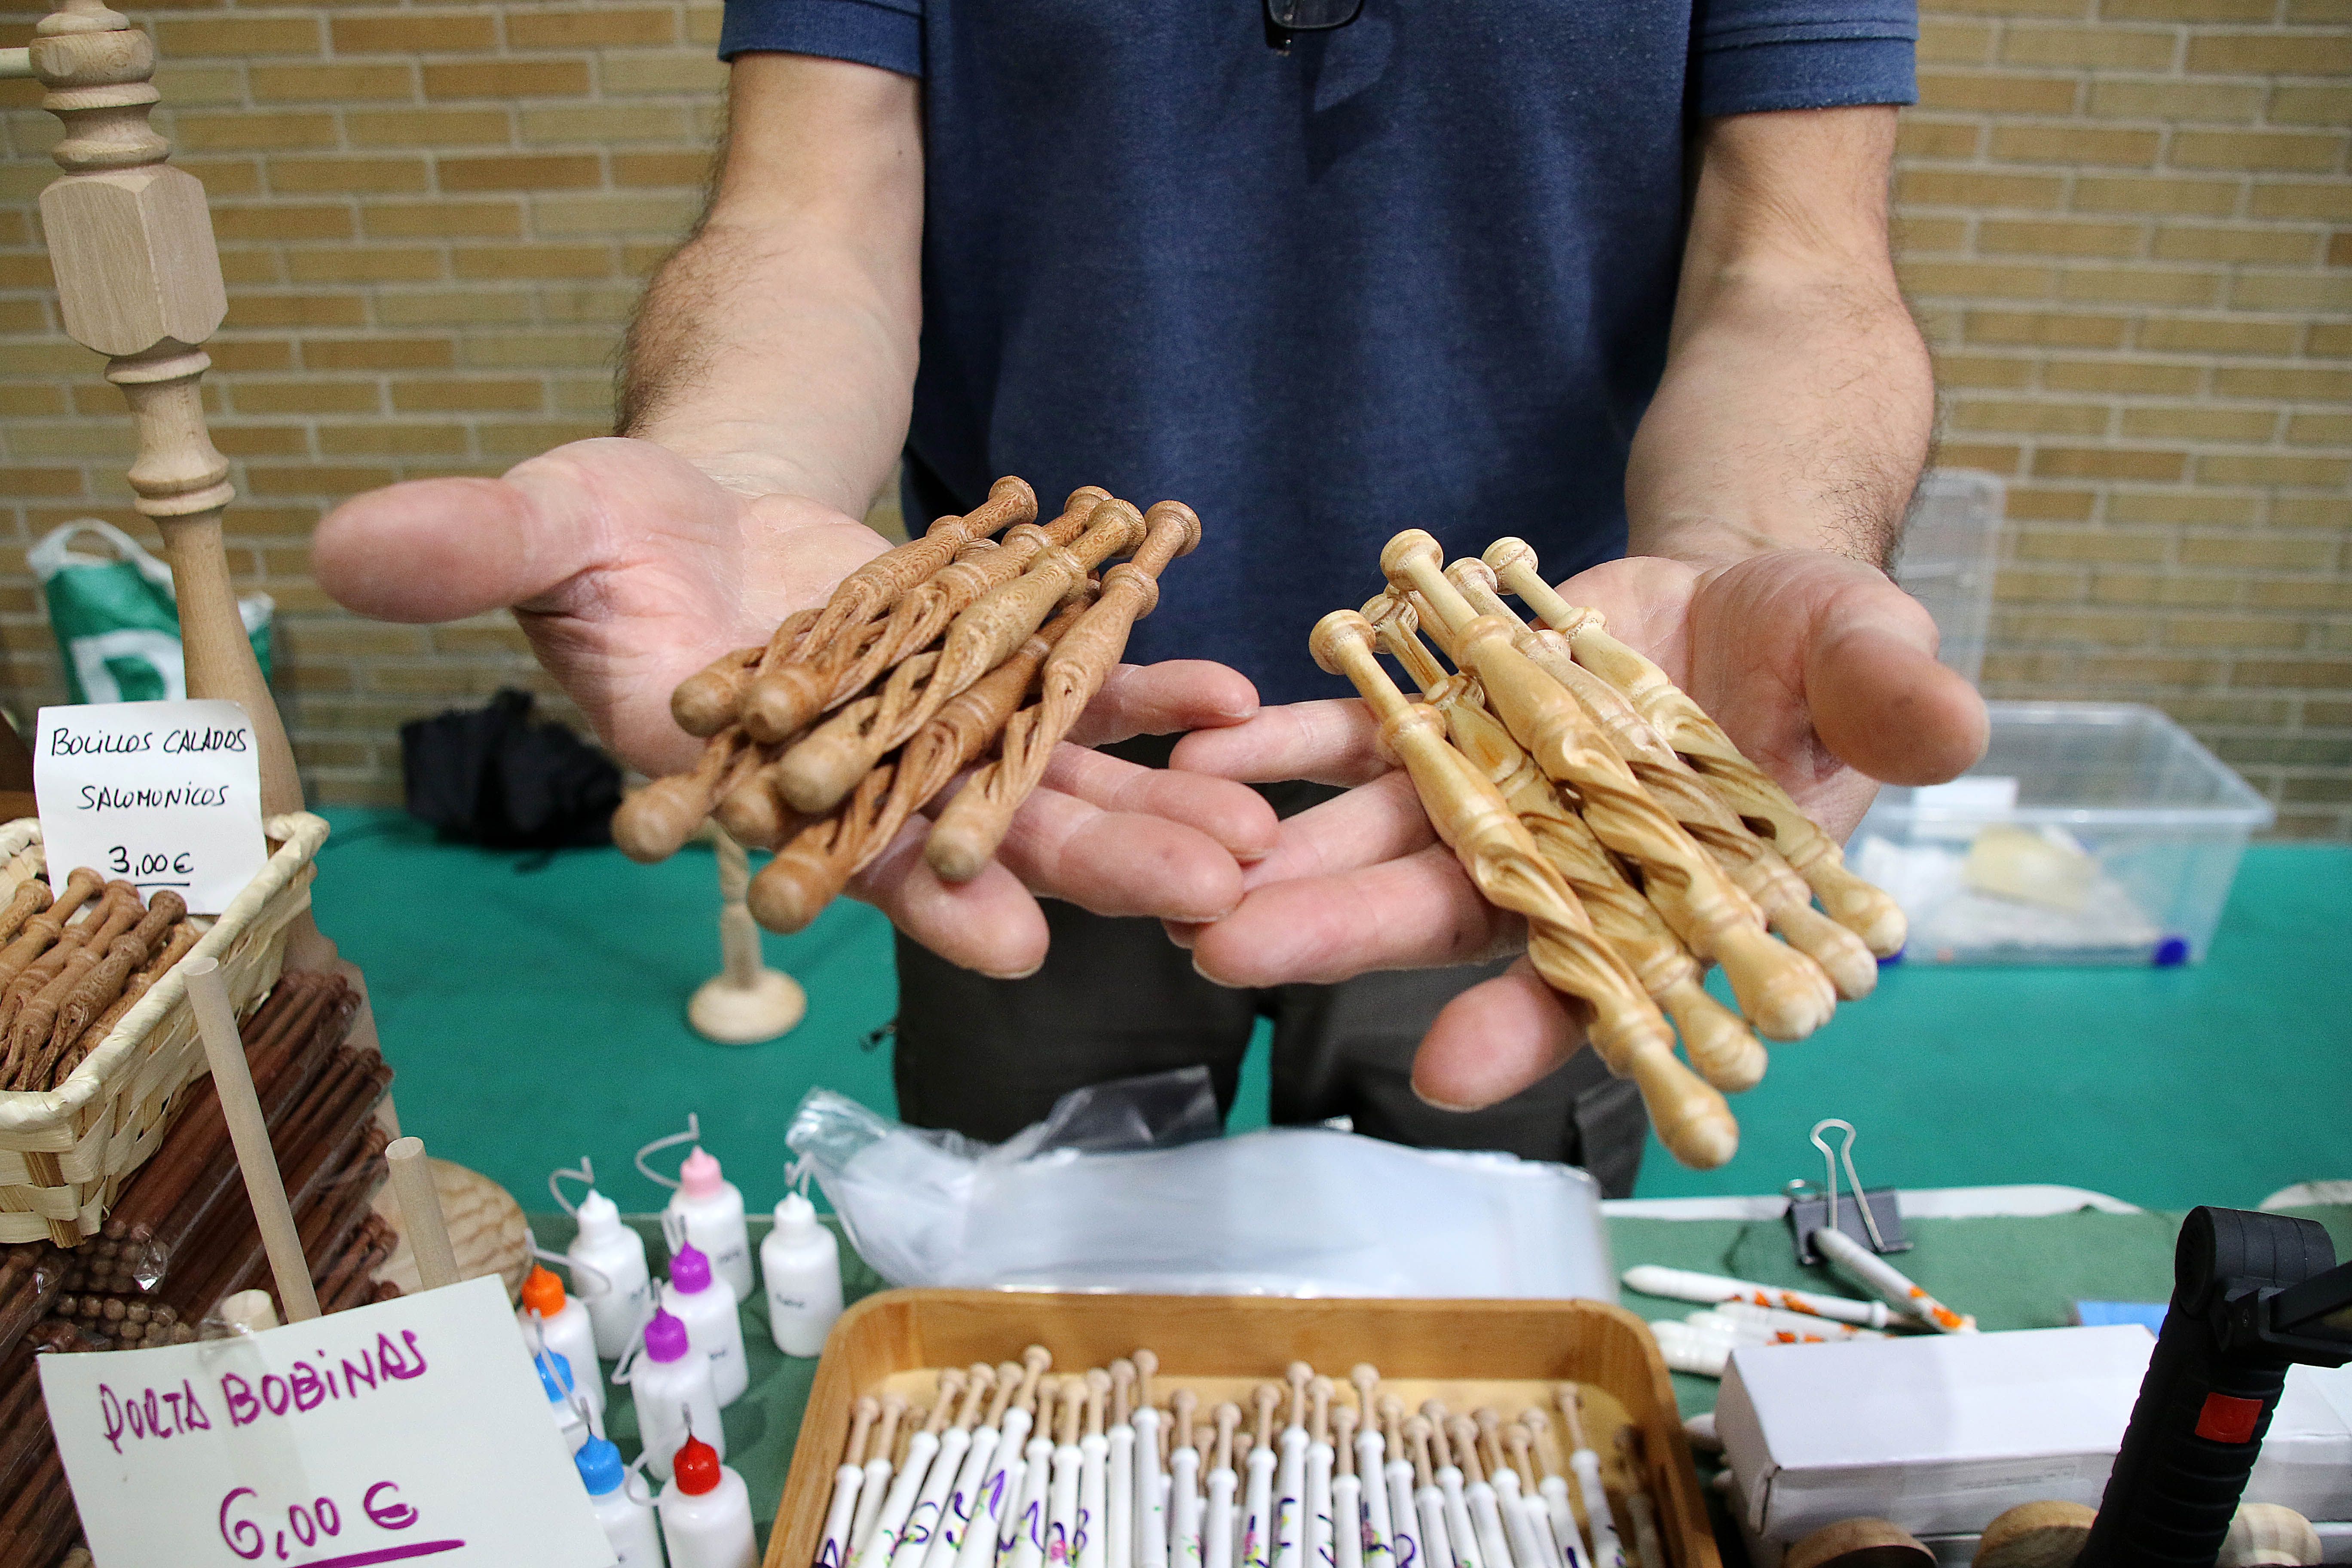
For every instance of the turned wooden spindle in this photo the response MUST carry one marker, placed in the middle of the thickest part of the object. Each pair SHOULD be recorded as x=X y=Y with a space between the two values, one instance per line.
x=1867 y=911
x=746 y=1001
x=977 y=820
x=1486 y=835
x=1782 y=993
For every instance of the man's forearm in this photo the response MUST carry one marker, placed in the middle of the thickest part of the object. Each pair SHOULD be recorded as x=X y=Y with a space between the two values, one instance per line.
x=1797 y=402
x=776 y=348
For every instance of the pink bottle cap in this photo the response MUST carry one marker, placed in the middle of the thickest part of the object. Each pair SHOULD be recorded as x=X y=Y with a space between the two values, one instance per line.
x=701 y=1176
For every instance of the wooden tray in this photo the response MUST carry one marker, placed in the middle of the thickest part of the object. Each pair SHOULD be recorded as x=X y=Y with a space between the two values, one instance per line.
x=1506 y=1353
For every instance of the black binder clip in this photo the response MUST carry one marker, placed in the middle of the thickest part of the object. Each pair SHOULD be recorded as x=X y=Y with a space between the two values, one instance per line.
x=1872 y=1216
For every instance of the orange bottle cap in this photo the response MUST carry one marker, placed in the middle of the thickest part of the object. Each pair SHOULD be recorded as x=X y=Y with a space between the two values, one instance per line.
x=542 y=1291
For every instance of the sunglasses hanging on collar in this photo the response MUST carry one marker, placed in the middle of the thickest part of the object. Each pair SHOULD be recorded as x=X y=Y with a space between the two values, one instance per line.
x=1286 y=18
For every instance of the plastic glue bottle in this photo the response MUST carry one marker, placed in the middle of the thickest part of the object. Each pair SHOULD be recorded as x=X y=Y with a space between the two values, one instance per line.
x=706 y=1512
x=555 y=1381
x=712 y=1326
x=629 y=1527
x=800 y=1263
x=563 y=1328
x=608 y=1265
x=708 y=1206
x=670 y=1384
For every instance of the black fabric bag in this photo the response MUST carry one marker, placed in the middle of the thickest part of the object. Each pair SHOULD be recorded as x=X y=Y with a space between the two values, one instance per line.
x=490 y=777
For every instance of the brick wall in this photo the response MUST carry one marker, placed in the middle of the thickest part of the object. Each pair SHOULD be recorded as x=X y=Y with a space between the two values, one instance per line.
x=2127 y=224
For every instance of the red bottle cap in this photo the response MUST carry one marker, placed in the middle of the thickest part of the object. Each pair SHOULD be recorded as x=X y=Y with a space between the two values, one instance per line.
x=695 y=1467
x=542 y=1291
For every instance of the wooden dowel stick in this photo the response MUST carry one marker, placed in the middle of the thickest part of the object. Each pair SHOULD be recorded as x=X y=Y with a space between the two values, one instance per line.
x=420 y=1213
x=216 y=1023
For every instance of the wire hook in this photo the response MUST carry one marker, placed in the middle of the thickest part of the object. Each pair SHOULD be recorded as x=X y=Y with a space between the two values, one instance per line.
x=693 y=1134
x=1869 y=1220
x=585 y=1175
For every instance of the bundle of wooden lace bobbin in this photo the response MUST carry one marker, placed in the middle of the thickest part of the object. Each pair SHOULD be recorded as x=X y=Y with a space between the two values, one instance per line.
x=824 y=743
x=1581 y=788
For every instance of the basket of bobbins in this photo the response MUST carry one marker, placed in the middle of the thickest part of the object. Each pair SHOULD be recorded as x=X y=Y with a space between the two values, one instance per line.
x=1012 y=1430
x=97 y=1042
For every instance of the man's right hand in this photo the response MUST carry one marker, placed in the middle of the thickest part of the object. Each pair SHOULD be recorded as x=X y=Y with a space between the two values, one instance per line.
x=630 y=567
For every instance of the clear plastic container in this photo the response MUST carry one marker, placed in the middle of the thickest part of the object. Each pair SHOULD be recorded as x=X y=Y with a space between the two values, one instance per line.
x=1951 y=545
x=2091 y=833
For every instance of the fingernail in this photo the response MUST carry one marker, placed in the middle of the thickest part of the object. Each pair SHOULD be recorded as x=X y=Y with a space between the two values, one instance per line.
x=1014 y=973
x=1434 y=1103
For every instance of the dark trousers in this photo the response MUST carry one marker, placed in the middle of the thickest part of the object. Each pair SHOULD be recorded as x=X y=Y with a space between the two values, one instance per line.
x=1116 y=998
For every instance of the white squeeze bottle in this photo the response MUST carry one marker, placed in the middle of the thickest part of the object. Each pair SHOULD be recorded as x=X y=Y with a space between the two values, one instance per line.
x=712 y=1326
x=669 y=1384
x=629 y=1527
x=711 y=1209
x=563 y=1328
x=608 y=1265
x=800 y=1263
x=706 y=1512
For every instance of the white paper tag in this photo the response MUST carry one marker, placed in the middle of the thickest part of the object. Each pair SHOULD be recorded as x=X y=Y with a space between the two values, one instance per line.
x=411 y=1429
x=162 y=794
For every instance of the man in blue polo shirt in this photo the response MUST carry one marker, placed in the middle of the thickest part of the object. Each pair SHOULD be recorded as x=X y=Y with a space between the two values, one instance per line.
x=1609 y=278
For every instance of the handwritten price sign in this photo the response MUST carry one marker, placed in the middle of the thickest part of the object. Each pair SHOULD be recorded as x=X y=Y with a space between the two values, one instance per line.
x=165 y=795
x=416 y=1428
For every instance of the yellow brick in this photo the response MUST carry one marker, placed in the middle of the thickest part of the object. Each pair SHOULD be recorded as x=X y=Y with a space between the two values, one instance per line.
x=535 y=351
x=1976 y=279
x=606 y=123
x=2017 y=586
x=442 y=220
x=1918 y=137
x=41 y=481
x=313 y=479
x=2312 y=512
x=2074 y=144
x=1991 y=457
x=237 y=37
x=2194 y=335
x=2089 y=544
x=247 y=130
x=2003 y=94
x=181 y=85
x=586 y=396
x=1994 y=371
x=307 y=397
x=2108 y=463
x=528 y=439
x=2081 y=626
x=23 y=316
x=2308 y=151
x=2014 y=416
x=365 y=264
x=2303 y=199
x=452 y=308
x=641 y=258
x=2140 y=286
x=605 y=305
x=2102 y=47
x=660 y=71
x=2302 y=104
x=660 y=168
x=2319 y=430
x=388 y=439
x=2319 y=13
x=2047 y=504
x=429 y=127
x=2242 y=424
x=2238 y=242
x=702 y=23
x=1970 y=188
x=284 y=221
x=297 y=311
x=2273 y=552
x=224 y=177
x=415 y=33
x=2339 y=250
x=2311 y=473
x=2303 y=291
x=2114 y=587
x=341 y=175
x=2270 y=53
x=2048 y=328
x=2232 y=631
x=521 y=172
x=590 y=29
x=2331 y=339
x=541 y=261
x=378 y=353
x=507 y=79
x=2174 y=507
x=1954 y=43
x=245 y=267
x=2058 y=238
x=233 y=354
x=439 y=394
x=2293 y=384
x=322 y=83
x=36 y=402
x=602 y=215
x=1913 y=234
x=2176 y=100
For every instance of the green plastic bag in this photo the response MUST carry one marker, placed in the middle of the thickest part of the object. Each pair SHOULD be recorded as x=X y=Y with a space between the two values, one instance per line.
x=116 y=621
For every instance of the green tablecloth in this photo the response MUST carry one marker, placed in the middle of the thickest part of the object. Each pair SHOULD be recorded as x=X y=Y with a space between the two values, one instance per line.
x=2011 y=1273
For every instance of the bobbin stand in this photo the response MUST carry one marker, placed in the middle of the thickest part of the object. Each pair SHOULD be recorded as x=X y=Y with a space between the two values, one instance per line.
x=746 y=1001
x=138 y=281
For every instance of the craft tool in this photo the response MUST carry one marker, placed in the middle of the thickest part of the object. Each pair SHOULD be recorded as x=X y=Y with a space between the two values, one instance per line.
x=1429 y=1500
x=918 y=1535
x=1683 y=1285
x=1021 y=1533
x=1584 y=1464
x=1315 y=1513
x=1184 y=1501
x=1551 y=1490
x=1217 y=1530
x=1255 y=1549
x=1088 y=1545
x=879 y=1456
x=1407 y=1546
x=1478 y=1495
x=1865 y=1268
x=994 y=1502
x=1118 y=1520
x=849 y=1480
x=907 y=1484
x=1062 y=1523
x=1346 y=1523
x=1150 y=1466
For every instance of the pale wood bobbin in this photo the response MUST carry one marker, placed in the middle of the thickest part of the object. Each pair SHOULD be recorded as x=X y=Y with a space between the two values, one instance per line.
x=2035 y=1535
x=1859 y=1543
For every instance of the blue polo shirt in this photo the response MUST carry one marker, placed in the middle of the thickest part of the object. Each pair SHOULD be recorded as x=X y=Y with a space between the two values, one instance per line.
x=1415 y=273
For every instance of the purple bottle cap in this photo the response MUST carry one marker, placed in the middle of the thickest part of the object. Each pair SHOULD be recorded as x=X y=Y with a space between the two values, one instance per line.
x=689 y=1271
x=665 y=1337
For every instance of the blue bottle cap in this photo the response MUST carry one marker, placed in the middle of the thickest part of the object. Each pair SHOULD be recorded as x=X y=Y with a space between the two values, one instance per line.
x=554 y=1375
x=601 y=1470
x=2171 y=952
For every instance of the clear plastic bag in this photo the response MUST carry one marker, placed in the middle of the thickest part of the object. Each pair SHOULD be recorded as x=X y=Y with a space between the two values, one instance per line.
x=1127 y=1186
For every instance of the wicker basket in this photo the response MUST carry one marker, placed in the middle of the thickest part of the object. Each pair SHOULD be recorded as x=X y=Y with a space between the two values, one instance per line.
x=65 y=1152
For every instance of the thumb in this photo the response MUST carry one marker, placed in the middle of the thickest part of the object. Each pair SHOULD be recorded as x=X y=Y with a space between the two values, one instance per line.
x=1878 y=699
x=440 y=549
